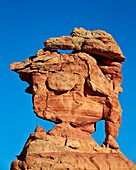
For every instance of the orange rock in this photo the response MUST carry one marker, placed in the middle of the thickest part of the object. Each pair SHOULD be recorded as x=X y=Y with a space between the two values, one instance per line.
x=97 y=42
x=64 y=87
x=39 y=129
x=75 y=91
x=65 y=147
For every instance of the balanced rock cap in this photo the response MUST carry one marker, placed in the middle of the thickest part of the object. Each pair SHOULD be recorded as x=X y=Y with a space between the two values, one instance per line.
x=96 y=42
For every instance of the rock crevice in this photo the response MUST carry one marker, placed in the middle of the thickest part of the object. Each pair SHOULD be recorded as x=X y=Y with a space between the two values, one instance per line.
x=75 y=91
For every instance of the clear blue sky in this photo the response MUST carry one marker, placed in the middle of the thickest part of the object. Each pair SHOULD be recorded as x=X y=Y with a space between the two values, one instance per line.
x=24 y=25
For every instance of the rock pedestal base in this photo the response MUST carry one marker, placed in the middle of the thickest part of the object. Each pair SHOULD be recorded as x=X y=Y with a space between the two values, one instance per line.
x=66 y=148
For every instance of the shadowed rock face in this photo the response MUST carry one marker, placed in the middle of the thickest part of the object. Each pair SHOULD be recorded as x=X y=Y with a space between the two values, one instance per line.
x=75 y=91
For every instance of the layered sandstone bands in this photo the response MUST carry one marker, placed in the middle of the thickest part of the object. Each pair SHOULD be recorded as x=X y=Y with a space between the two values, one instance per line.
x=73 y=88
x=72 y=149
x=75 y=91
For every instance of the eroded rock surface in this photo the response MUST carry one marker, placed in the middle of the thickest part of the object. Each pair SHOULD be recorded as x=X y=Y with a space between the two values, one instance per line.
x=75 y=91
x=72 y=149
x=97 y=42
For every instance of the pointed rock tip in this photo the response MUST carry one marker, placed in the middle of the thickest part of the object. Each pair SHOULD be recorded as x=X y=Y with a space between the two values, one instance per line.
x=39 y=129
x=12 y=66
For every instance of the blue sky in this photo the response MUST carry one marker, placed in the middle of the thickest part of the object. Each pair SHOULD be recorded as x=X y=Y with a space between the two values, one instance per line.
x=24 y=25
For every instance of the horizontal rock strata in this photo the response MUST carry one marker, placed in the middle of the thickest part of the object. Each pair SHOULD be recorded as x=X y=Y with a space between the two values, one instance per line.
x=75 y=88
x=74 y=150
x=75 y=91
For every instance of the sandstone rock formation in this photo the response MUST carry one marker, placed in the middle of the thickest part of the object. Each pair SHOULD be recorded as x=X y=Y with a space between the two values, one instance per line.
x=75 y=91
x=65 y=148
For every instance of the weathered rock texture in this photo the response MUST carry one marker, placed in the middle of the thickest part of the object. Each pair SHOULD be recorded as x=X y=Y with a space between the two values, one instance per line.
x=75 y=91
x=65 y=148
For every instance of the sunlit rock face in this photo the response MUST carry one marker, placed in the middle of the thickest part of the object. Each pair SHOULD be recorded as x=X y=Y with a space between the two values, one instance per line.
x=75 y=91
